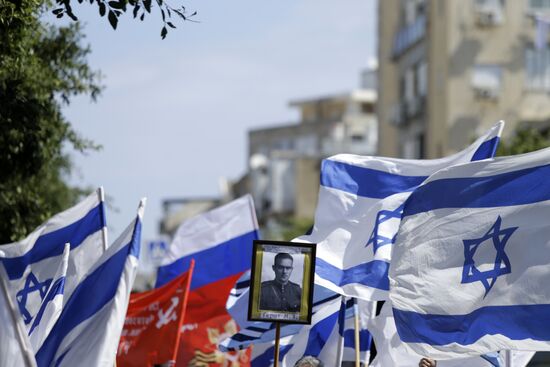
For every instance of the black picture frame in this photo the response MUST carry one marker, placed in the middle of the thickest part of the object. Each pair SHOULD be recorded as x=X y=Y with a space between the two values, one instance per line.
x=276 y=300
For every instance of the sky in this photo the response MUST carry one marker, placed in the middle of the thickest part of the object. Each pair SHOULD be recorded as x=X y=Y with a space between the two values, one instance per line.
x=174 y=114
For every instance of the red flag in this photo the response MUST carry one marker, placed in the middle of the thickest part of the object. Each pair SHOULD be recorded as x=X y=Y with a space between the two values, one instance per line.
x=151 y=333
x=206 y=324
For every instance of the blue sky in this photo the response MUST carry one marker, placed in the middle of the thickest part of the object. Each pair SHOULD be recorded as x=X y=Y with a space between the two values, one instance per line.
x=174 y=115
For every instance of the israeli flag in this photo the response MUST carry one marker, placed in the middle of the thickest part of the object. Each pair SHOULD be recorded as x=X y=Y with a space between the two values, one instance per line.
x=255 y=332
x=51 y=306
x=89 y=327
x=322 y=339
x=32 y=264
x=391 y=351
x=358 y=213
x=470 y=269
x=15 y=348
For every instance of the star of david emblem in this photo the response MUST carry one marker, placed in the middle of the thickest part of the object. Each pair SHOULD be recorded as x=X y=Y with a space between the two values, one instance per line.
x=501 y=266
x=31 y=285
x=376 y=238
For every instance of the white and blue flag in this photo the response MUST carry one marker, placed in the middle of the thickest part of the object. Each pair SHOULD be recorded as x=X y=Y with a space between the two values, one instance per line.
x=391 y=351
x=15 y=348
x=51 y=306
x=358 y=213
x=470 y=268
x=256 y=332
x=322 y=339
x=32 y=263
x=89 y=327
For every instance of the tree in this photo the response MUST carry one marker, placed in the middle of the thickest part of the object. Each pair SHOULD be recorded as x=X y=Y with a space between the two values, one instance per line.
x=525 y=140
x=41 y=68
x=140 y=9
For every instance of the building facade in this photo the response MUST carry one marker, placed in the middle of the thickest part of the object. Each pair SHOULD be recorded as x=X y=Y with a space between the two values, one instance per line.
x=284 y=160
x=450 y=69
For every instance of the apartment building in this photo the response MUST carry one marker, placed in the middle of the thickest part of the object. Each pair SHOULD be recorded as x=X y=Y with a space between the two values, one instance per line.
x=451 y=68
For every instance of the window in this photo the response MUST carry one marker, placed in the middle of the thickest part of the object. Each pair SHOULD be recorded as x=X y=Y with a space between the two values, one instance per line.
x=486 y=81
x=367 y=108
x=537 y=69
x=539 y=5
x=422 y=79
x=489 y=12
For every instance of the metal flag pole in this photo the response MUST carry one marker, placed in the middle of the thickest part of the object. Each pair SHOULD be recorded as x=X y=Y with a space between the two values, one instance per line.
x=508 y=357
x=357 y=341
x=277 y=337
x=101 y=195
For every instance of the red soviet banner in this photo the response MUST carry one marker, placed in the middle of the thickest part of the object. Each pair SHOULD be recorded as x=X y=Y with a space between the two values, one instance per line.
x=151 y=332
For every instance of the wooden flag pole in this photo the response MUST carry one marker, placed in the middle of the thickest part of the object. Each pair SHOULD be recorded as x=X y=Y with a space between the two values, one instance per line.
x=277 y=337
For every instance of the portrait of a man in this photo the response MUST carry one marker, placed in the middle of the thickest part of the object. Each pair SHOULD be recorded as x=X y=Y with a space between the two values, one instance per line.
x=280 y=294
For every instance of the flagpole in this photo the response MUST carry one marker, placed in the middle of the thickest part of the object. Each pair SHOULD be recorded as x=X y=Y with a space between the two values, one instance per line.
x=508 y=357
x=357 y=343
x=27 y=353
x=101 y=195
x=277 y=337
x=341 y=327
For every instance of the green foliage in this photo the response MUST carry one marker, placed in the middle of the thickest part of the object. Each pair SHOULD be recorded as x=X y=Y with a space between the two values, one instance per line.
x=524 y=141
x=41 y=68
x=140 y=9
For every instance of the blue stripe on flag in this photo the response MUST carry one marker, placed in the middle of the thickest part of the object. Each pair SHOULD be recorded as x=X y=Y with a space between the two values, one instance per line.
x=213 y=264
x=94 y=292
x=266 y=358
x=486 y=150
x=55 y=290
x=365 y=182
x=364 y=339
x=319 y=334
x=52 y=244
x=505 y=189
x=373 y=274
x=514 y=322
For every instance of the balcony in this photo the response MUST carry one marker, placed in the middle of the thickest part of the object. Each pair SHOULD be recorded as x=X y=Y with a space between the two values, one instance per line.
x=409 y=36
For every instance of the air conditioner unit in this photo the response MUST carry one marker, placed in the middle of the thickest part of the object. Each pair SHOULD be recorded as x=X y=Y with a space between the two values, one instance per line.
x=488 y=17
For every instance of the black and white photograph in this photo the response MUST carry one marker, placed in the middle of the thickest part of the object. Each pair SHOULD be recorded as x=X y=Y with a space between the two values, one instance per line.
x=282 y=281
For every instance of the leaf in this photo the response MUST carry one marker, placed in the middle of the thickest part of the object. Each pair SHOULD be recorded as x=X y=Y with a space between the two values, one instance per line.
x=116 y=5
x=170 y=25
x=57 y=11
x=60 y=15
x=163 y=15
x=102 y=9
x=142 y=17
x=163 y=32
x=136 y=9
x=147 y=5
x=113 y=19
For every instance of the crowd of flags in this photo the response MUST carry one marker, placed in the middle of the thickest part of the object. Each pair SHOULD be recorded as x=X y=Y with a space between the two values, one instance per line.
x=446 y=258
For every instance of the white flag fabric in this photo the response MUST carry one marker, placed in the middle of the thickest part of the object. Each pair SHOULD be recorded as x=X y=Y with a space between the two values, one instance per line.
x=15 y=348
x=390 y=351
x=51 y=306
x=358 y=213
x=89 y=327
x=321 y=339
x=470 y=270
x=31 y=264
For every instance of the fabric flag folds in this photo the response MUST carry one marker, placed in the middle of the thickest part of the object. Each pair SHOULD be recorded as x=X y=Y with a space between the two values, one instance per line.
x=391 y=351
x=358 y=213
x=15 y=348
x=470 y=270
x=220 y=242
x=31 y=264
x=89 y=327
x=151 y=332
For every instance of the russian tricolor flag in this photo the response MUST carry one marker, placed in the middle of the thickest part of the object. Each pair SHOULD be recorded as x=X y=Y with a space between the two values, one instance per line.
x=220 y=242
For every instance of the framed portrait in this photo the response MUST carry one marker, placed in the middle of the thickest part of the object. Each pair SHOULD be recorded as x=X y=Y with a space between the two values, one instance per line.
x=282 y=282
